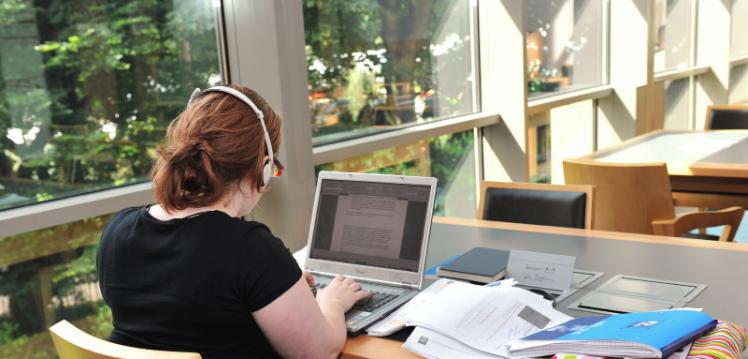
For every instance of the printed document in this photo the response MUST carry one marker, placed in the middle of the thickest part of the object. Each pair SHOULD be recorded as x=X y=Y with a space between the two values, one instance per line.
x=486 y=318
x=396 y=320
x=368 y=225
x=431 y=344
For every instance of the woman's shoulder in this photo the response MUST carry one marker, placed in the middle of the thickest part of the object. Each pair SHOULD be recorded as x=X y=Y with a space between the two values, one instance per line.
x=257 y=232
x=237 y=227
x=257 y=239
x=127 y=214
x=125 y=217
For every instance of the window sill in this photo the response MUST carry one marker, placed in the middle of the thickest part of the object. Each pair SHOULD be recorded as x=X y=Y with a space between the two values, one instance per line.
x=363 y=145
x=544 y=104
x=681 y=73
x=65 y=210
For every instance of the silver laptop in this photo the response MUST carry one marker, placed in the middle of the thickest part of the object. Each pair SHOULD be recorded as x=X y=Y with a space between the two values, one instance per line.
x=374 y=228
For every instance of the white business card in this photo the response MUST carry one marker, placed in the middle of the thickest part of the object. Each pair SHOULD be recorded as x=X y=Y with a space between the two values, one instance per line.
x=541 y=270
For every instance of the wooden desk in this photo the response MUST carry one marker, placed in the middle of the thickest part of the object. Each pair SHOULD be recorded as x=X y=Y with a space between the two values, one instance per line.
x=721 y=266
x=707 y=168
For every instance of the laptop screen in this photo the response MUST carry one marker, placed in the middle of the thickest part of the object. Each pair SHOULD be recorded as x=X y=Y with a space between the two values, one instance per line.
x=370 y=223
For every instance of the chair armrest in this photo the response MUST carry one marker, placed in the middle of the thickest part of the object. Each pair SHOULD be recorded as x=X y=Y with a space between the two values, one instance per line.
x=729 y=217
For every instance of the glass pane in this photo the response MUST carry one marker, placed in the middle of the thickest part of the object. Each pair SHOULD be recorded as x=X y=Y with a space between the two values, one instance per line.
x=673 y=34
x=49 y=275
x=87 y=89
x=539 y=156
x=381 y=65
x=739 y=84
x=564 y=45
x=738 y=40
x=449 y=158
x=677 y=107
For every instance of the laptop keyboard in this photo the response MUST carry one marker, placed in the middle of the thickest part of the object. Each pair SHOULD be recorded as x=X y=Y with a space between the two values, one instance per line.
x=374 y=301
x=368 y=304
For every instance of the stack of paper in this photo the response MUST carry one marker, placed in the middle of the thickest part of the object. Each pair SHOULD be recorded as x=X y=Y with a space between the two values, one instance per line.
x=396 y=320
x=467 y=320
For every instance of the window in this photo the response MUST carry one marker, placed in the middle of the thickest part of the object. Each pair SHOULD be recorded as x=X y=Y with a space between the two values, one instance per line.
x=48 y=275
x=565 y=45
x=673 y=32
x=86 y=92
x=539 y=152
x=677 y=108
x=739 y=84
x=381 y=65
x=449 y=158
x=738 y=40
x=88 y=88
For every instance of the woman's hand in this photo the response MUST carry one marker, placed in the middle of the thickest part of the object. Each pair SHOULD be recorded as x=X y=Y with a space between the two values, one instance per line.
x=309 y=279
x=341 y=294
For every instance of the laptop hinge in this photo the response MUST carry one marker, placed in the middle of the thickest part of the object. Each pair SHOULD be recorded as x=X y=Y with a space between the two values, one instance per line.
x=408 y=285
x=370 y=280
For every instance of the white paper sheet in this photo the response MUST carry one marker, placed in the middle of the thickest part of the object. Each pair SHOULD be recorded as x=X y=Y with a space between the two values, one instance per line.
x=433 y=345
x=396 y=320
x=485 y=318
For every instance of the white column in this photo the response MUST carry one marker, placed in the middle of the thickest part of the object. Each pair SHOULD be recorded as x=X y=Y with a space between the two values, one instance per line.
x=713 y=39
x=631 y=45
x=572 y=134
x=265 y=41
x=503 y=69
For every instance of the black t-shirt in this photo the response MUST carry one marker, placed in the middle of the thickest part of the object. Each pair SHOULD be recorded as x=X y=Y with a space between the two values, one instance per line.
x=191 y=284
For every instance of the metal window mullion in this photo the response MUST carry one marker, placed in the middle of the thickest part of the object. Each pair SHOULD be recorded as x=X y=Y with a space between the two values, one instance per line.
x=694 y=52
x=692 y=102
x=477 y=90
x=221 y=42
x=694 y=20
x=475 y=51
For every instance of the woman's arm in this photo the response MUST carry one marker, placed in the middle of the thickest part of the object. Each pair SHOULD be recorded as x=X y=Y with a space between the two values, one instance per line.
x=297 y=325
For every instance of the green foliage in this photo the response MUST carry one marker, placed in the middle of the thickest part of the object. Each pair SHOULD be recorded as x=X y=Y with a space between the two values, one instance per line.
x=106 y=78
x=81 y=269
x=370 y=61
x=8 y=331
x=335 y=30
x=83 y=103
x=101 y=325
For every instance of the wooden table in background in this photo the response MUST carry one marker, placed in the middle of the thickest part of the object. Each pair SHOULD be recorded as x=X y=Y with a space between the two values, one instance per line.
x=720 y=265
x=708 y=169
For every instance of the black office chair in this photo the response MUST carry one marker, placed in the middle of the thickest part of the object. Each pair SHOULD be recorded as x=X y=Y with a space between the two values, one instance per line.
x=726 y=117
x=535 y=203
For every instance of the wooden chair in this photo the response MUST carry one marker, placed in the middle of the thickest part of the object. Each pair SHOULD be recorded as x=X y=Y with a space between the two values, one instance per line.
x=726 y=117
x=537 y=203
x=73 y=343
x=637 y=198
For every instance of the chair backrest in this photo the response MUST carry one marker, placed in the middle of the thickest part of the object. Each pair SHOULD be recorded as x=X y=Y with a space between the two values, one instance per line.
x=726 y=117
x=536 y=203
x=629 y=196
x=73 y=343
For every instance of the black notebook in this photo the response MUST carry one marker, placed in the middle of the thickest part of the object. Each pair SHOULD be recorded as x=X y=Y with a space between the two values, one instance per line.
x=480 y=264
